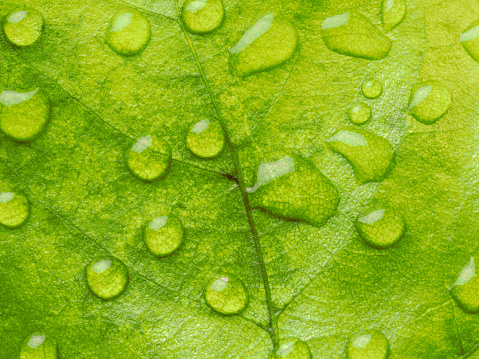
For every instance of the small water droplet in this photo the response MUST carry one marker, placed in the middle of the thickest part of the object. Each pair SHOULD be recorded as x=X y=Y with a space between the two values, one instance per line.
x=129 y=32
x=39 y=346
x=164 y=235
x=202 y=16
x=205 y=138
x=381 y=228
x=291 y=348
x=393 y=13
x=465 y=289
x=371 y=156
x=14 y=209
x=352 y=34
x=470 y=40
x=429 y=101
x=359 y=113
x=270 y=42
x=229 y=297
x=149 y=158
x=23 y=27
x=371 y=344
x=107 y=277
x=372 y=89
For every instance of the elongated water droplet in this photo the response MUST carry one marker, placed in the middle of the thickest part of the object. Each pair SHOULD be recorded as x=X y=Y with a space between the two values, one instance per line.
x=393 y=13
x=470 y=40
x=465 y=289
x=164 y=235
x=23 y=26
x=202 y=16
x=150 y=158
x=371 y=344
x=429 y=101
x=381 y=228
x=128 y=33
x=371 y=156
x=293 y=188
x=372 y=88
x=291 y=348
x=14 y=209
x=205 y=138
x=228 y=296
x=352 y=34
x=107 y=277
x=270 y=42
x=359 y=113
x=24 y=115
x=39 y=346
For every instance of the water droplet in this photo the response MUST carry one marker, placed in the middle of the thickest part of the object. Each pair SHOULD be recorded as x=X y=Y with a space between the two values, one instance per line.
x=352 y=34
x=371 y=344
x=381 y=228
x=293 y=188
x=371 y=156
x=372 y=88
x=14 y=209
x=150 y=158
x=164 y=235
x=270 y=42
x=470 y=40
x=359 y=113
x=226 y=294
x=202 y=16
x=107 y=277
x=205 y=138
x=39 y=346
x=465 y=290
x=291 y=348
x=128 y=33
x=393 y=13
x=23 y=27
x=429 y=101
x=24 y=115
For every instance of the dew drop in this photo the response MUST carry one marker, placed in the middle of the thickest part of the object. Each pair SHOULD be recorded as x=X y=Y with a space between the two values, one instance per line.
x=393 y=13
x=164 y=235
x=429 y=101
x=202 y=16
x=359 y=113
x=352 y=34
x=23 y=27
x=39 y=346
x=149 y=158
x=371 y=344
x=128 y=33
x=381 y=228
x=291 y=348
x=205 y=138
x=372 y=89
x=465 y=289
x=371 y=156
x=107 y=277
x=270 y=42
x=470 y=40
x=226 y=294
x=14 y=209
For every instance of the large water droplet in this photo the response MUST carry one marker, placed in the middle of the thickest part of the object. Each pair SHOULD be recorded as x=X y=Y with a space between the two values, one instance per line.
x=371 y=156
x=371 y=344
x=465 y=290
x=268 y=43
x=429 y=101
x=352 y=34
x=393 y=13
x=39 y=346
x=291 y=348
x=293 y=188
x=226 y=294
x=164 y=235
x=23 y=26
x=205 y=138
x=107 y=277
x=372 y=88
x=202 y=16
x=359 y=113
x=381 y=228
x=14 y=209
x=24 y=115
x=470 y=40
x=129 y=32
x=150 y=158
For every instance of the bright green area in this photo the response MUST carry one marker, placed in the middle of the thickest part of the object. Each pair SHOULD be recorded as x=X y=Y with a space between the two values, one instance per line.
x=369 y=344
x=226 y=294
x=14 y=209
x=39 y=346
x=202 y=16
x=205 y=138
x=23 y=26
x=107 y=277
x=380 y=228
x=291 y=348
x=429 y=101
x=359 y=113
x=164 y=235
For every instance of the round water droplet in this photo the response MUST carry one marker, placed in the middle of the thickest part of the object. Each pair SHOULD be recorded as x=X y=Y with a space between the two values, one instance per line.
x=372 y=88
x=202 y=16
x=23 y=26
x=352 y=34
x=39 y=346
x=226 y=294
x=107 y=277
x=470 y=40
x=205 y=138
x=24 y=115
x=381 y=228
x=371 y=344
x=14 y=209
x=164 y=235
x=465 y=290
x=150 y=158
x=393 y=13
x=291 y=348
x=359 y=113
x=429 y=101
x=270 y=42
x=128 y=33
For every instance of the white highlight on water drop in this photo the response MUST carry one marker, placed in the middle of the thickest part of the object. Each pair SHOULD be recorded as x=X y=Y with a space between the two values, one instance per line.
x=258 y=29
x=18 y=16
x=36 y=340
x=356 y=109
x=335 y=21
x=196 y=5
x=10 y=98
x=142 y=144
x=220 y=284
x=200 y=126
x=101 y=266
x=362 y=341
x=6 y=197
x=470 y=34
x=272 y=170
x=349 y=138
x=467 y=273
x=372 y=217
x=389 y=5
x=122 y=21
x=421 y=95
x=158 y=222
x=285 y=349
